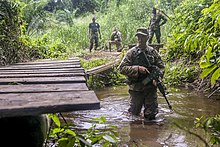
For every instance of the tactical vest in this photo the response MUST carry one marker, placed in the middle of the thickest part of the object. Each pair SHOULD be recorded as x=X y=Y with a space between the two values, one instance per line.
x=116 y=36
x=94 y=27
x=139 y=59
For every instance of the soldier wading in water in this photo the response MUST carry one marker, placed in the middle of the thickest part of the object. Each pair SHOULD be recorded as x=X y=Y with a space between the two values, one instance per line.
x=135 y=67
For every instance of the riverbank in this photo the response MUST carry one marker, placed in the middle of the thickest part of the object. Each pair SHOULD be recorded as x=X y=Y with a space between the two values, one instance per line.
x=177 y=74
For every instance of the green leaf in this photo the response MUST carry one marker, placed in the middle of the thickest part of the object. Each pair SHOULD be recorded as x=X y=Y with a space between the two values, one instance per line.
x=102 y=119
x=84 y=141
x=197 y=125
x=57 y=130
x=109 y=138
x=207 y=71
x=215 y=76
x=209 y=53
x=55 y=119
x=70 y=132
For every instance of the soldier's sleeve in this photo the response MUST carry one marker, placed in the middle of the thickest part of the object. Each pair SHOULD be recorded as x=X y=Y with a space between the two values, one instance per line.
x=99 y=30
x=89 y=28
x=164 y=20
x=126 y=67
x=120 y=36
x=112 y=36
x=159 y=62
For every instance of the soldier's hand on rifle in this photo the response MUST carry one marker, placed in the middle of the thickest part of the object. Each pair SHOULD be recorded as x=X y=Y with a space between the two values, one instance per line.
x=143 y=70
x=154 y=82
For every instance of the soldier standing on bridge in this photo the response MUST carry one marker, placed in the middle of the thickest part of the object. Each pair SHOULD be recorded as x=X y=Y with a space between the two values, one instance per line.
x=94 y=31
x=155 y=24
x=135 y=67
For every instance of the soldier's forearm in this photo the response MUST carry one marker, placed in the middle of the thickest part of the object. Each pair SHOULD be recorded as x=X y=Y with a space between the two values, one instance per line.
x=131 y=71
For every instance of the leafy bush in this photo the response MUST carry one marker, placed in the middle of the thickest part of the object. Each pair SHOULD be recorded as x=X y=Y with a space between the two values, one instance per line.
x=65 y=135
x=210 y=125
x=12 y=49
x=195 y=36
x=176 y=75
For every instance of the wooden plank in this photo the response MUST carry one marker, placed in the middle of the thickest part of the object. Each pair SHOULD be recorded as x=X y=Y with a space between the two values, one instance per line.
x=31 y=71
x=102 y=68
x=48 y=61
x=42 y=88
x=39 y=67
x=42 y=80
x=41 y=103
x=41 y=64
x=41 y=75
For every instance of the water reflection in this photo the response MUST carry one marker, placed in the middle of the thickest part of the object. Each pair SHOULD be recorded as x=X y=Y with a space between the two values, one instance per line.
x=135 y=132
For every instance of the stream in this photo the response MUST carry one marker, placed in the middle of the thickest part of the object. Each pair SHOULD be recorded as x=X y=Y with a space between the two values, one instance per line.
x=166 y=132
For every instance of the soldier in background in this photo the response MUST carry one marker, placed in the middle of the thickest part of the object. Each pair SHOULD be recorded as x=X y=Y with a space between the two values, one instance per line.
x=156 y=21
x=116 y=39
x=94 y=31
x=136 y=70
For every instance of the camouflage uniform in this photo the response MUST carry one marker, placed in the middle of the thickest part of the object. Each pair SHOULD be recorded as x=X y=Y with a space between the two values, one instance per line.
x=94 y=29
x=141 y=95
x=116 y=39
x=154 y=26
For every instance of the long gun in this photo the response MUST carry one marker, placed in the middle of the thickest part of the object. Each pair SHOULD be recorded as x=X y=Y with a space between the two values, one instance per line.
x=155 y=74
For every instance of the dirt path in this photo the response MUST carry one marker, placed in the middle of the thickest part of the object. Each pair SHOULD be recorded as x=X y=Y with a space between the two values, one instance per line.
x=102 y=54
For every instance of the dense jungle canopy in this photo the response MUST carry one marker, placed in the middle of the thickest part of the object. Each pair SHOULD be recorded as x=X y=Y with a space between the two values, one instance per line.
x=38 y=29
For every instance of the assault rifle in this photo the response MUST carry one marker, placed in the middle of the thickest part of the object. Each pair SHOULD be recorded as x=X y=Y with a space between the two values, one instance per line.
x=155 y=74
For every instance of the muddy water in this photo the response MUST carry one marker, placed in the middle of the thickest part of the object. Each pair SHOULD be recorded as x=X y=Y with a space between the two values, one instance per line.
x=166 y=132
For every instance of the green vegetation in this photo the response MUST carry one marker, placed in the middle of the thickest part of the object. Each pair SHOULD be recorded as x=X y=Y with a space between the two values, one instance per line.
x=38 y=29
x=58 y=29
x=195 y=36
x=211 y=126
x=64 y=136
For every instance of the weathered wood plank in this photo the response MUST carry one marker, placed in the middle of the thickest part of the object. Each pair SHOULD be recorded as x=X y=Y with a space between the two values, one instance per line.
x=31 y=71
x=39 y=67
x=41 y=75
x=42 y=103
x=42 y=88
x=48 y=61
x=43 y=80
x=102 y=68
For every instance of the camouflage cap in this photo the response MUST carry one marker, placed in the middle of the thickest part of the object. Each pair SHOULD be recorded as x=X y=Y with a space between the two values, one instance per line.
x=142 y=31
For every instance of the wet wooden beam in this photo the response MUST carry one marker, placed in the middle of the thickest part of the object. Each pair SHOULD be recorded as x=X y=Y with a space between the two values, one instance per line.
x=49 y=102
x=42 y=80
x=32 y=75
x=38 y=88
x=39 y=67
x=102 y=68
x=45 y=86
x=43 y=71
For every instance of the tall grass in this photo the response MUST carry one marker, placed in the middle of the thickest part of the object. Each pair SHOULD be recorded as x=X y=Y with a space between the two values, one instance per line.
x=127 y=17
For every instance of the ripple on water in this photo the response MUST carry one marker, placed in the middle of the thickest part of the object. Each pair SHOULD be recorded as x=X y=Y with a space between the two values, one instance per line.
x=114 y=105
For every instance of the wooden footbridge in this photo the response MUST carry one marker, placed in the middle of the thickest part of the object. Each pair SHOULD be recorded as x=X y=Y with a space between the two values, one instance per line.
x=45 y=86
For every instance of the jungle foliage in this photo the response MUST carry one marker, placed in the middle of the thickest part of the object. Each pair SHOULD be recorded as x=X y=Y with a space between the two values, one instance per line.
x=12 y=49
x=64 y=135
x=37 y=29
x=211 y=127
x=195 y=36
x=58 y=29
